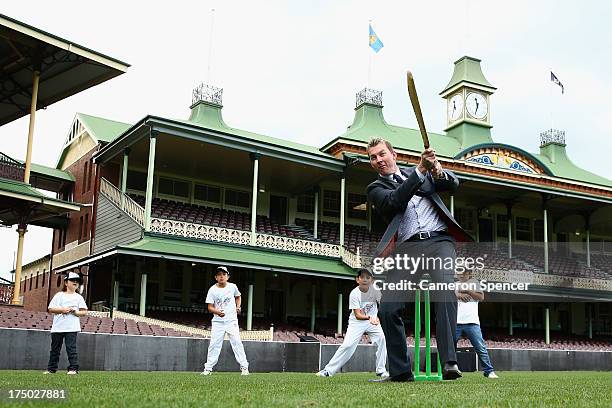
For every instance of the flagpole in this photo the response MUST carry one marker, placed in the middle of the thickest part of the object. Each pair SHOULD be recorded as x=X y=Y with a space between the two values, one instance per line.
x=369 y=57
x=550 y=98
x=210 y=45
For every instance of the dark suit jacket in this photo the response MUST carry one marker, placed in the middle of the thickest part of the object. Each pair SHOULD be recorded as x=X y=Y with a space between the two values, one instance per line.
x=390 y=199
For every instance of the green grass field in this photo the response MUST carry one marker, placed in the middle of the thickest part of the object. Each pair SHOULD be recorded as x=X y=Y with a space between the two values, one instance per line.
x=180 y=389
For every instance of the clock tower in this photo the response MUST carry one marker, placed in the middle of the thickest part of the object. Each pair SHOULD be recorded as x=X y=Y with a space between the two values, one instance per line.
x=468 y=111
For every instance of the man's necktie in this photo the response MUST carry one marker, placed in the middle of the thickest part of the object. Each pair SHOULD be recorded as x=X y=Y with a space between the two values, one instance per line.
x=397 y=178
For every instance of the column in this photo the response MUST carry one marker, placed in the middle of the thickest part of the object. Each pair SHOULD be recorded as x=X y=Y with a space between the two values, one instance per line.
x=342 y=205
x=313 y=306
x=547 y=324
x=21 y=230
x=143 y=293
x=587 y=222
x=339 y=331
x=33 y=103
x=369 y=210
x=452 y=204
x=150 y=171
x=250 y=308
x=124 y=171
x=509 y=216
x=255 y=159
x=115 y=295
x=316 y=212
x=545 y=241
x=590 y=309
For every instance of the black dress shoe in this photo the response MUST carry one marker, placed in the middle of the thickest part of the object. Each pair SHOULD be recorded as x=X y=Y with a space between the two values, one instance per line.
x=451 y=372
x=398 y=378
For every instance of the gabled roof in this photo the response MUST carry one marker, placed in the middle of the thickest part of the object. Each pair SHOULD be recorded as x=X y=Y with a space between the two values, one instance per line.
x=101 y=129
x=563 y=167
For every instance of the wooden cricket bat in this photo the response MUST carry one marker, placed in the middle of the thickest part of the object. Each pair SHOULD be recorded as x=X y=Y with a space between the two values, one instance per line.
x=414 y=99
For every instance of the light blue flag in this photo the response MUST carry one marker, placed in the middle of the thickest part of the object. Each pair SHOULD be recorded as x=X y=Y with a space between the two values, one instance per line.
x=375 y=42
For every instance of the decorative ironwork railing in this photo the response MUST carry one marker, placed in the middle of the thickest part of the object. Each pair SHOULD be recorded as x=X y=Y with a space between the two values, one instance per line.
x=123 y=201
x=11 y=169
x=200 y=231
x=6 y=294
x=207 y=93
x=552 y=136
x=367 y=95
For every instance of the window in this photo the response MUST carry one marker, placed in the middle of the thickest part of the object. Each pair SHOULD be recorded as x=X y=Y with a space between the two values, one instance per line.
x=85 y=176
x=36 y=286
x=523 y=229
x=85 y=229
x=59 y=280
x=358 y=206
x=331 y=203
x=237 y=198
x=44 y=278
x=30 y=283
x=538 y=230
x=204 y=192
x=305 y=203
x=465 y=218
x=89 y=175
x=502 y=226
x=81 y=227
x=173 y=187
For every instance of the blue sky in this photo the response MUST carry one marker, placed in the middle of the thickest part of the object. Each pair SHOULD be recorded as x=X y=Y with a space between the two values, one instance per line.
x=291 y=69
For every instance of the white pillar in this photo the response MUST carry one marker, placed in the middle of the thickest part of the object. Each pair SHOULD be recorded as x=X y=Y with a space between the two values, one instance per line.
x=143 y=293
x=250 y=308
x=339 y=331
x=545 y=241
x=150 y=172
x=509 y=235
x=590 y=309
x=452 y=205
x=313 y=310
x=316 y=213
x=124 y=171
x=116 y=295
x=342 y=205
x=255 y=158
x=547 y=324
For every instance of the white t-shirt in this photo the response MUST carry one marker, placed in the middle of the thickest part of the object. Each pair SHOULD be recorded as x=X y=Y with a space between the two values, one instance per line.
x=467 y=312
x=67 y=322
x=366 y=301
x=223 y=299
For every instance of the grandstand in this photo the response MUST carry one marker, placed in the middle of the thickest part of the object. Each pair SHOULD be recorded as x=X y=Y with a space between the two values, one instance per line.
x=173 y=198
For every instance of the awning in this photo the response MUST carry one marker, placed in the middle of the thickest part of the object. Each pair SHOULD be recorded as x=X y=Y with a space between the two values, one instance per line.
x=66 y=68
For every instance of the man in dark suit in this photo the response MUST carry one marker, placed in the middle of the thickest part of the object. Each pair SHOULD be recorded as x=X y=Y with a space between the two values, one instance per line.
x=420 y=225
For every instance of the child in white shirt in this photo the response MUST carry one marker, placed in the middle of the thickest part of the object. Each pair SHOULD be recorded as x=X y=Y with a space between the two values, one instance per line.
x=224 y=301
x=67 y=305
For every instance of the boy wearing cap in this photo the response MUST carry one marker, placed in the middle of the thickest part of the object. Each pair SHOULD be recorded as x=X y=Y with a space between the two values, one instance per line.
x=67 y=305
x=363 y=302
x=223 y=301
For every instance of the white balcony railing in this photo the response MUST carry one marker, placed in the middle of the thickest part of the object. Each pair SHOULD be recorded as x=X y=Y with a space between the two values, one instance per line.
x=123 y=201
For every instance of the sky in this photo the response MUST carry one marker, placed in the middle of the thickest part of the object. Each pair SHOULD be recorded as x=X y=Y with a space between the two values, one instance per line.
x=290 y=69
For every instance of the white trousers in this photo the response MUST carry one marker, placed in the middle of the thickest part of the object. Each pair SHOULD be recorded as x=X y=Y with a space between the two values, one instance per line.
x=216 y=342
x=351 y=340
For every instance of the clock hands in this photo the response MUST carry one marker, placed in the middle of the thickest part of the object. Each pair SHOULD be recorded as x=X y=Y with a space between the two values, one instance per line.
x=476 y=100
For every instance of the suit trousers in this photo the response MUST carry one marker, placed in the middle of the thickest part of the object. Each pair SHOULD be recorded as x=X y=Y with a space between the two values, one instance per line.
x=395 y=301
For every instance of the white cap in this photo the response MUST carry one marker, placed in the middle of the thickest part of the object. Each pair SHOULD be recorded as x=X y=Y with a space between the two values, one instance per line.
x=222 y=268
x=73 y=276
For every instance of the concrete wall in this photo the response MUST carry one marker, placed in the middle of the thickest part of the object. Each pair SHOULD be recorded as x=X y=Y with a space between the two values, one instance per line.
x=30 y=351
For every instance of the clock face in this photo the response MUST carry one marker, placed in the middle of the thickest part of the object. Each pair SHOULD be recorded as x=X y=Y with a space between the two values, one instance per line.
x=476 y=105
x=455 y=107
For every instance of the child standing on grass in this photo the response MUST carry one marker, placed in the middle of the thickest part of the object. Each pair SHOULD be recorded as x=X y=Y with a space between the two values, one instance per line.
x=67 y=305
x=363 y=302
x=223 y=301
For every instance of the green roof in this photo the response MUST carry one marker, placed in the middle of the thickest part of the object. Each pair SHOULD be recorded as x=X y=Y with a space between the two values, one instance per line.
x=233 y=254
x=103 y=130
x=369 y=122
x=209 y=116
x=17 y=187
x=50 y=172
x=555 y=158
